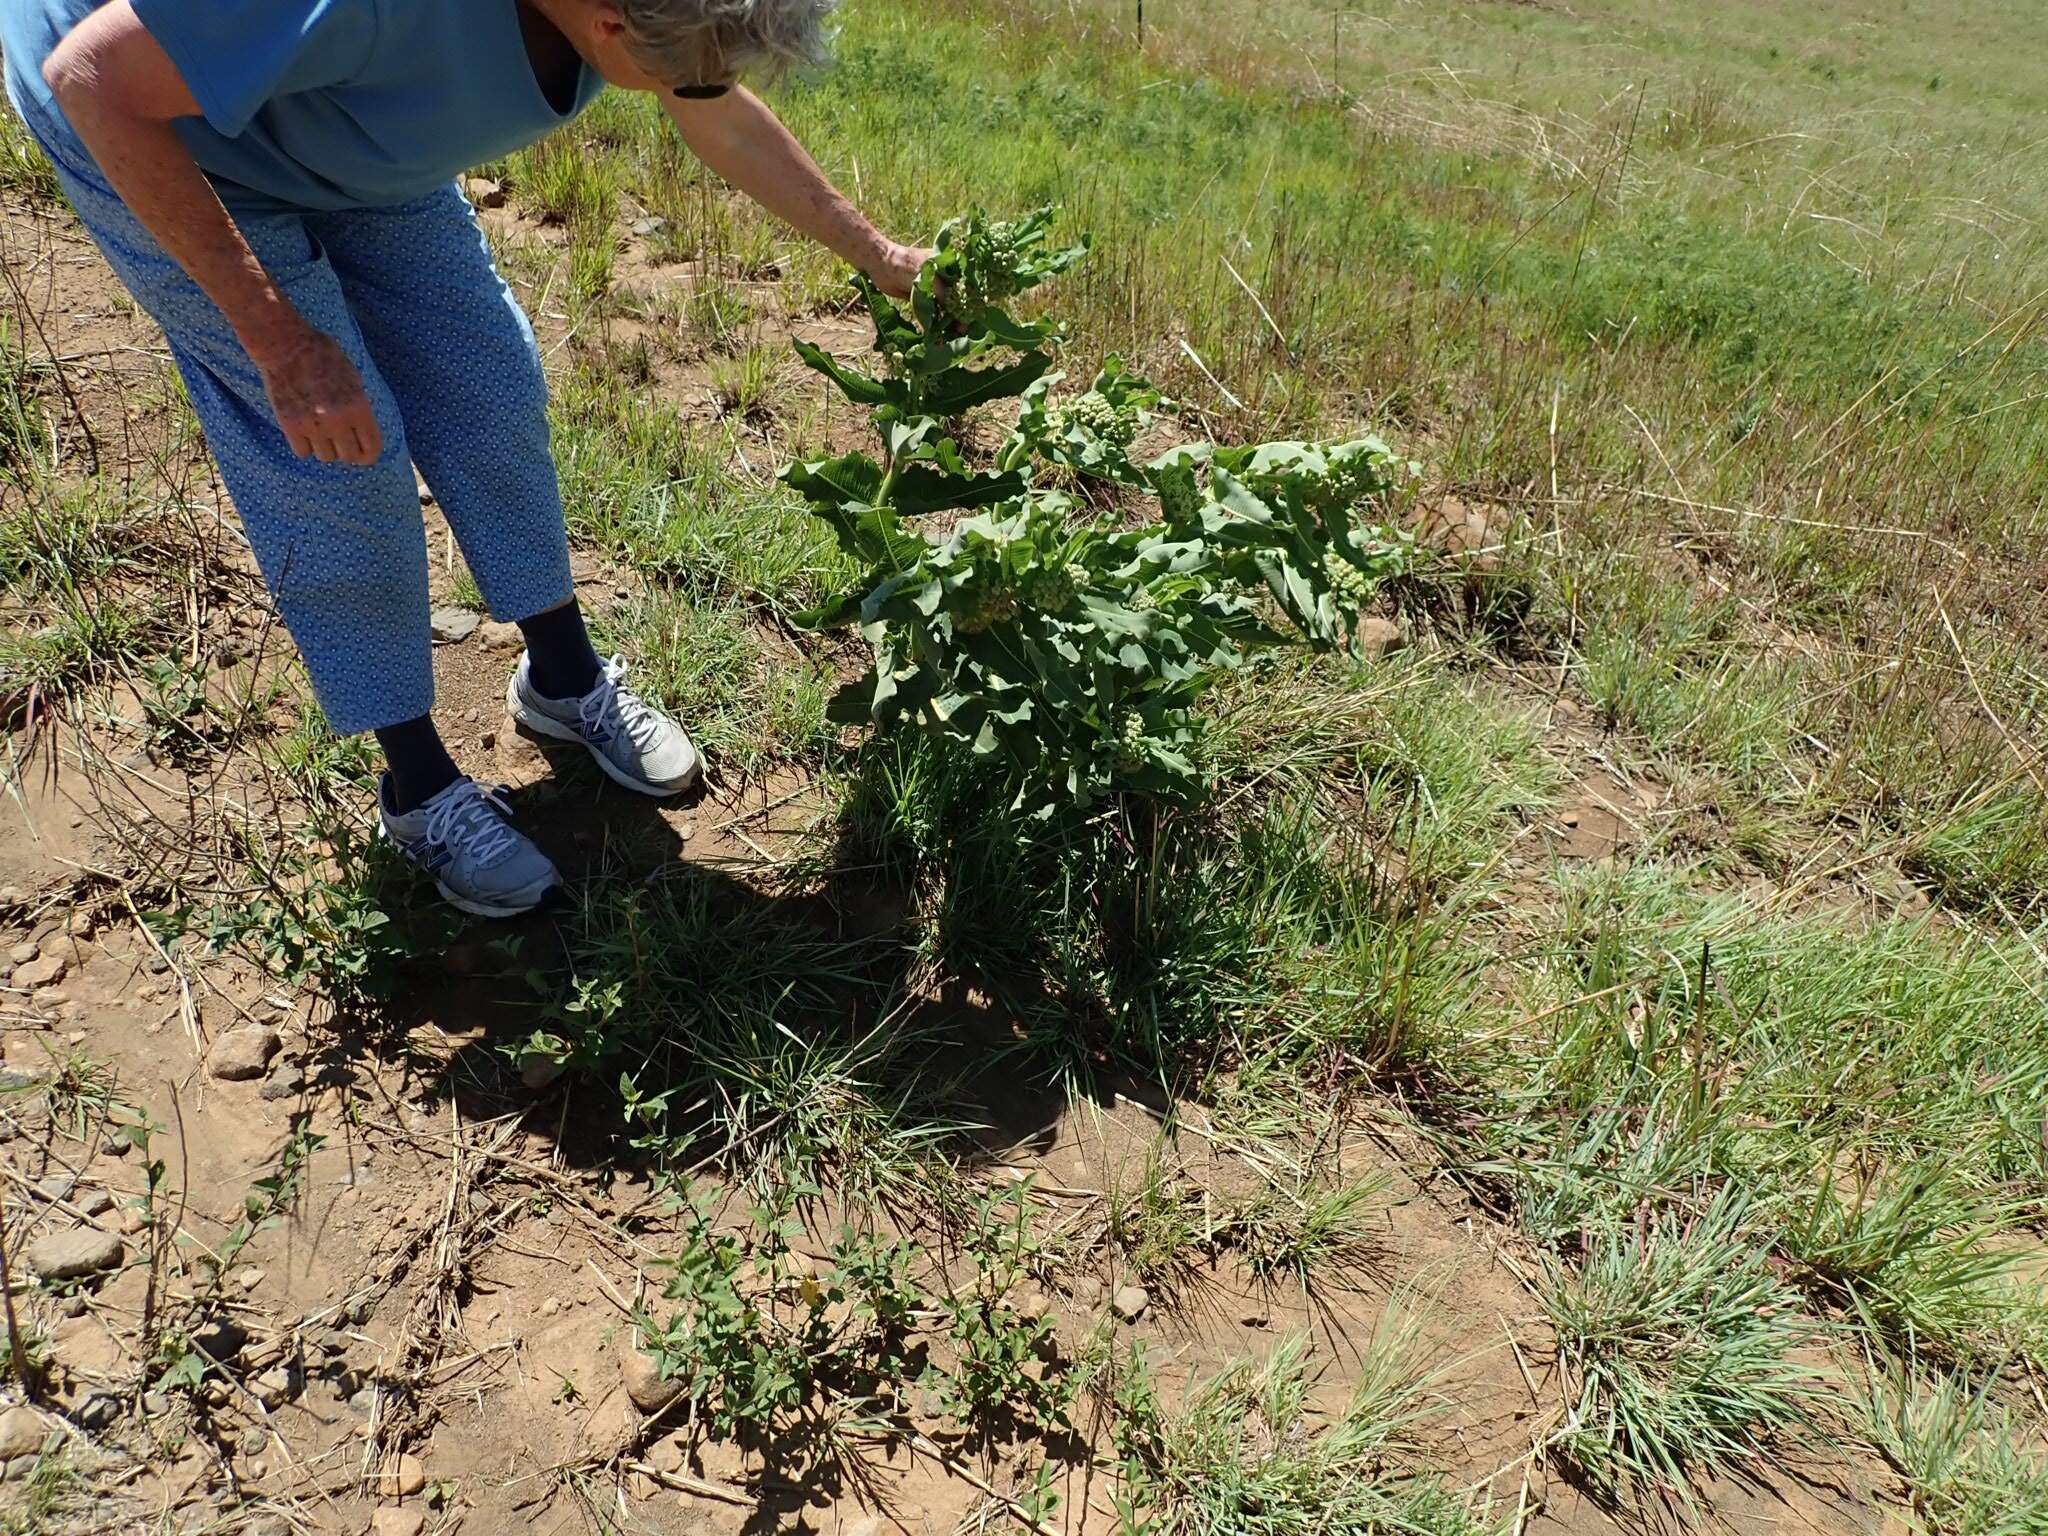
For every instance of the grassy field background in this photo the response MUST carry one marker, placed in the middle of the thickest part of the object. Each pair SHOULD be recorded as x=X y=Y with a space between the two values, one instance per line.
x=1658 y=930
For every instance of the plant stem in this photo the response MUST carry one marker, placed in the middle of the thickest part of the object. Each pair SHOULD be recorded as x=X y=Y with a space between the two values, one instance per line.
x=17 y=1351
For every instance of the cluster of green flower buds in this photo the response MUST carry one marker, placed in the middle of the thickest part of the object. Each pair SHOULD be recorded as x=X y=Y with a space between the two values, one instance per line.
x=991 y=608
x=1350 y=586
x=1353 y=478
x=1096 y=416
x=1051 y=590
x=1130 y=744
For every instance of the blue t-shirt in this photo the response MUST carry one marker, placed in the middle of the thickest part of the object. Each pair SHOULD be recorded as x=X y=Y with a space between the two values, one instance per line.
x=327 y=103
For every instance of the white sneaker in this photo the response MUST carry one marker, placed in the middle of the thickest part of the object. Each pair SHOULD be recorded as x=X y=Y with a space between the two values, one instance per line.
x=633 y=742
x=479 y=861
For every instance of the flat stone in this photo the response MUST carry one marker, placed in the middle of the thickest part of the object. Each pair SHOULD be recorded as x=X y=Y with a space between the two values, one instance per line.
x=133 y=1220
x=402 y=1478
x=41 y=971
x=75 y=1254
x=242 y=1053
x=644 y=1383
x=286 y=1082
x=22 y=1433
x=249 y=1277
x=55 y=1186
x=452 y=624
x=23 y=952
x=1130 y=1302
x=96 y=1203
x=279 y=1384
x=393 y=1521
x=645 y=227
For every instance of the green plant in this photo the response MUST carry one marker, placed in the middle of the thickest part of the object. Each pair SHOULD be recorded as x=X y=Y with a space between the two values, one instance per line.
x=1967 y=1461
x=1244 y=1452
x=1680 y=1343
x=1061 y=630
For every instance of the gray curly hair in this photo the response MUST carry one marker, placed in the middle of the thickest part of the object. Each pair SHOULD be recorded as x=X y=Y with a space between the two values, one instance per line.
x=682 y=39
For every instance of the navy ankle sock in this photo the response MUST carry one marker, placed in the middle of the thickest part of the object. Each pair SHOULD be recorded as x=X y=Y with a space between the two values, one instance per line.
x=420 y=765
x=561 y=661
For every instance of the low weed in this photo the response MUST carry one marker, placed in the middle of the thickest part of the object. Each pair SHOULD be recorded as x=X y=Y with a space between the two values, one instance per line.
x=1972 y=1466
x=1680 y=1343
x=1244 y=1452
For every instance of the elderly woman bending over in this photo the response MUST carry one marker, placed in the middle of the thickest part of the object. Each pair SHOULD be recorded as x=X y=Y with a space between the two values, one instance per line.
x=274 y=181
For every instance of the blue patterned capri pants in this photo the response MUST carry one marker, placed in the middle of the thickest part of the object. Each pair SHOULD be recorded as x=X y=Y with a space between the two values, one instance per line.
x=449 y=361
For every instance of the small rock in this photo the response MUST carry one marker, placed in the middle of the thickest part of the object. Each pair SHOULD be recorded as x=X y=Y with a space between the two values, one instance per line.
x=403 y=1478
x=551 y=1307
x=363 y=1402
x=426 y=497
x=117 y=1146
x=1130 y=1302
x=644 y=1383
x=79 y=924
x=393 y=1521
x=156 y=964
x=73 y=1305
x=453 y=624
x=1256 y=1319
x=40 y=971
x=22 y=1433
x=1379 y=637
x=486 y=193
x=645 y=227
x=331 y=1341
x=541 y=1074
x=287 y=1082
x=13 y=896
x=97 y=1203
x=133 y=1220
x=500 y=637
x=23 y=952
x=641 y=1486
x=487 y=740
x=243 y=1053
x=75 y=1254
x=99 y=1410
x=1033 y=1307
x=248 y=1277
x=1087 y=1291
x=155 y=1403
x=668 y=1456
x=253 y=1440
x=55 y=1186
x=280 y=1384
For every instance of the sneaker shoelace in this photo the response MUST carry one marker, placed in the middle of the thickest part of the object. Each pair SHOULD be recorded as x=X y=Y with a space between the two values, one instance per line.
x=466 y=816
x=611 y=707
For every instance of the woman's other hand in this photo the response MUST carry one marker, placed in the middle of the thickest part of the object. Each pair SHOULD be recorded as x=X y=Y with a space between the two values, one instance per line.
x=319 y=400
x=898 y=269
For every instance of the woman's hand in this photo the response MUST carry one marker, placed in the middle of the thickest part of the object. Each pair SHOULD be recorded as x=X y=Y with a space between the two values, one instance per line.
x=319 y=400
x=898 y=268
